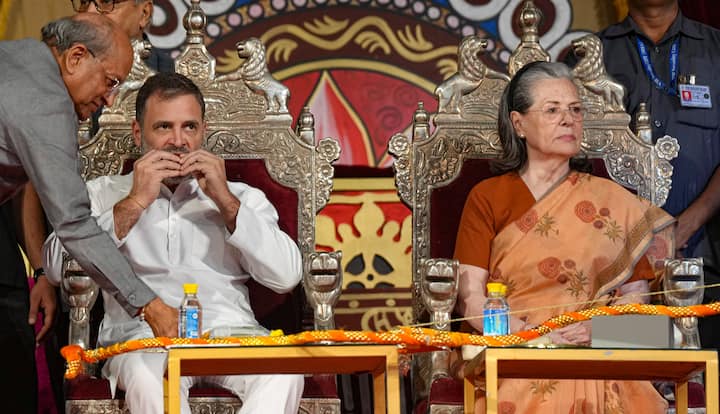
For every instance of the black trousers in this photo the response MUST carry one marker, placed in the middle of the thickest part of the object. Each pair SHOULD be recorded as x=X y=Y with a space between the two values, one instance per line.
x=18 y=382
x=18 y=378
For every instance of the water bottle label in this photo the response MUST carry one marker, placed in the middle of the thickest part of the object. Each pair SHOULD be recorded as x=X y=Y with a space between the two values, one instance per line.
x=192 y=323
x=495 y=322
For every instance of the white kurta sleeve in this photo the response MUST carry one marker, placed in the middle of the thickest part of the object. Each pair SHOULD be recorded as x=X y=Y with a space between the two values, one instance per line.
x=270 y=256
x=101 y=206
x=53 y=259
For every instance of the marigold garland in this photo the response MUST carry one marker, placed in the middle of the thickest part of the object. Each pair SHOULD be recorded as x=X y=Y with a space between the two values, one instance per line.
x=410 y=339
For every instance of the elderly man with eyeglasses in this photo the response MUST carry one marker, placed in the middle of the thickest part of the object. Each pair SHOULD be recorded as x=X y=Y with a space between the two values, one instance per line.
x=46 y=87
x=134 y=17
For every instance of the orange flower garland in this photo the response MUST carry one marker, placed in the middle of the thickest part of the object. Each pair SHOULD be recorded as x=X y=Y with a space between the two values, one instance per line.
x=411 y=339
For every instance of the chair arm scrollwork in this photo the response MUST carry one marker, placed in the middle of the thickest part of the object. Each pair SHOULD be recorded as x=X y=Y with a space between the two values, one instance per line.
x=327 y=151
x=400 y=147
x=665 y=150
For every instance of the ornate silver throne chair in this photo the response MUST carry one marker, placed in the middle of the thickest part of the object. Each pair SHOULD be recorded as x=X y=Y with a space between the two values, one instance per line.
x=250 y=127
x=435 y=171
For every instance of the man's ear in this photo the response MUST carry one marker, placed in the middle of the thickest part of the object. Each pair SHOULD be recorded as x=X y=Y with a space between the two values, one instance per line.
x=73 y=58
x=137 y=133
x=146 y=17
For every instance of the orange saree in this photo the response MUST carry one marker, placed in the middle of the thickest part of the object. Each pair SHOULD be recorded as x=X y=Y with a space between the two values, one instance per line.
x=574 y=248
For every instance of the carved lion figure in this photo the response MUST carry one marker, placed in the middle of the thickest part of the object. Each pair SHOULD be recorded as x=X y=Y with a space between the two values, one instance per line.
x=471 y=72
x=257 y=77
x=590 y=71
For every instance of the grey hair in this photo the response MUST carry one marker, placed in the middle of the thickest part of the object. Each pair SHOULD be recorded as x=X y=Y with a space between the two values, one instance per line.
x=66 y=32
x=518 y=96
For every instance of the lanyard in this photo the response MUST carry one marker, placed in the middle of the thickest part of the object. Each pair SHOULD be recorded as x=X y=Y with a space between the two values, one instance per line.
x=647 y=65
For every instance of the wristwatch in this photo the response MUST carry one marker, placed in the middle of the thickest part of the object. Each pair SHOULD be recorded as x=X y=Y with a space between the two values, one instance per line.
x=37 y=273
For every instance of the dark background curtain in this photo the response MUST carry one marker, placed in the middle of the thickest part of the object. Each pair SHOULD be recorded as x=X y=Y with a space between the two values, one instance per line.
x=701 y=11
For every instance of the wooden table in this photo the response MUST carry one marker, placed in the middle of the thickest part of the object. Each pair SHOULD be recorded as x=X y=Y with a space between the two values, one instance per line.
x=592 y=363
x=380 y=360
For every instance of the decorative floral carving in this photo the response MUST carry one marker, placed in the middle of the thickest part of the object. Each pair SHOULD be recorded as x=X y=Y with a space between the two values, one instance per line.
x=328 y=150
x=667 y=148
x=399 y=147
x=197 y=64
x=204 y=405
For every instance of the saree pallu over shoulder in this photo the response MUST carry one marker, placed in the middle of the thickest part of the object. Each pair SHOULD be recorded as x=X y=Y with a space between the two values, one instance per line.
x=570 y=251
x=579 y=242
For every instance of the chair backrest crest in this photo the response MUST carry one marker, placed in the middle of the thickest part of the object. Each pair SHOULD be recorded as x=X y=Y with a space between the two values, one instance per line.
x=529 y=49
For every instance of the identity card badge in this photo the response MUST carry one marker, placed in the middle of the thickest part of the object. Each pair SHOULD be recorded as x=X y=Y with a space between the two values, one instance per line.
x=695 y=96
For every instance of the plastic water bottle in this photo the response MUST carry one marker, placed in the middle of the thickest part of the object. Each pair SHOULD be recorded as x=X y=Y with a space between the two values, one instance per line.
x=190 y=321
x=495 y=312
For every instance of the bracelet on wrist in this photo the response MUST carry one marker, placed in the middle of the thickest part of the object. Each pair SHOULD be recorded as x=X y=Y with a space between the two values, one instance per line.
x=135 y=200
x=37 y=273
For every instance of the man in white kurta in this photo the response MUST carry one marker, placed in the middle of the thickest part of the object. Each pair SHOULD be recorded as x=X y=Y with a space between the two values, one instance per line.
x=178 y=220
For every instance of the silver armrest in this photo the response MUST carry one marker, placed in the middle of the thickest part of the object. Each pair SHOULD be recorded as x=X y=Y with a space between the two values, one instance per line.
x=439 y=278
x=80 y=292
x=322 y=280
x=683 y=284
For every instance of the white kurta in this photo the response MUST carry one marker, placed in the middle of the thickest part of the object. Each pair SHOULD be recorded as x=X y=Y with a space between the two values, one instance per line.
x=181 y=238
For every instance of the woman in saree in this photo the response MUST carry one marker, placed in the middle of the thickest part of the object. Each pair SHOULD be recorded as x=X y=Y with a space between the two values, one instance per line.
x=555 y=235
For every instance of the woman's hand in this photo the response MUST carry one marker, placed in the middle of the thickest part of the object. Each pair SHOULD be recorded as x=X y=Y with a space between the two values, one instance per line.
x=575 y=334
x=633 y=292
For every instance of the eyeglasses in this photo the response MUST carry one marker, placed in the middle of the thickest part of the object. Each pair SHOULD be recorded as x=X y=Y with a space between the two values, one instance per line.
x=102 y=6
x=111 y=83
x=555 y=113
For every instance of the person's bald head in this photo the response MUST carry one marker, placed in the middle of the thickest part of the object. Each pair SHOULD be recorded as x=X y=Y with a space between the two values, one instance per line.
x=92 y=53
